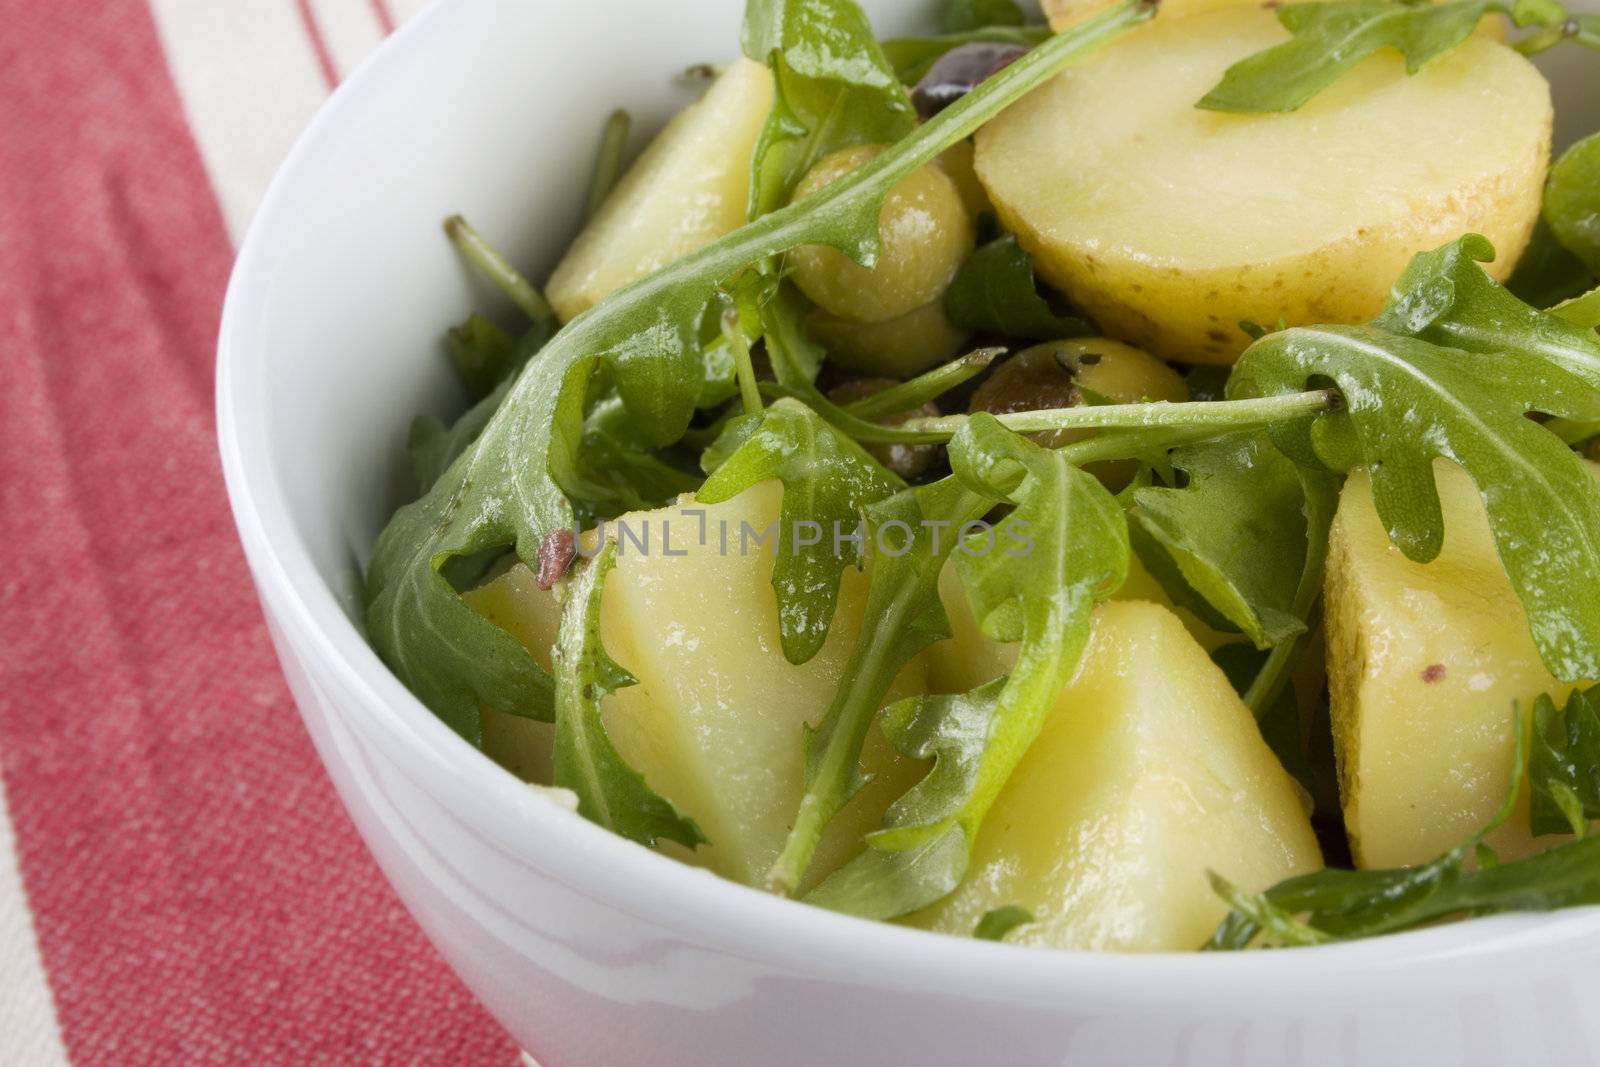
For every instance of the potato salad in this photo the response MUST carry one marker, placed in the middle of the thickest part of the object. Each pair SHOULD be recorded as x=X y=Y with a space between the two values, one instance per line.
x=1118 y=484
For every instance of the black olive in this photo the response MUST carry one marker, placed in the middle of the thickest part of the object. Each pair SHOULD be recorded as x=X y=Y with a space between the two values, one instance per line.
x=958 y=72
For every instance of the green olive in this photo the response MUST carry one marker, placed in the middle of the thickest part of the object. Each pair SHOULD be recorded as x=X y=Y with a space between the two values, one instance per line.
x=925 y=235
x=907 y=461
x=900 y=348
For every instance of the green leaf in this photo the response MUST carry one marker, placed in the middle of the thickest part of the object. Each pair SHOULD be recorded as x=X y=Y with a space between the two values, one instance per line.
x=506 y=491
x=456 y=661
x=1035 y=581
x=995 y=292
x=903 y=602
x=1581 y=311
x=998 y=922
x=484 y=355
x=1236 y=532
x=610 y=792
x=1547 y=273
x=828 y=483
x=1446 y=297
x=1330 y=39
x=960 y=16
x=1564 y=764
x=485 y=359
x=1572 y=201
x=616 y=472
x=1408 y=401
x=913 y=57
x=834 y=89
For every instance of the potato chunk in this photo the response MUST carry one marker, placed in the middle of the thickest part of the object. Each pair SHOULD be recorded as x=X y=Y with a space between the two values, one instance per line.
x=1424 y=664
x=690 y=187
x=714 y=724
x=1168 y=224
x=1149 y=772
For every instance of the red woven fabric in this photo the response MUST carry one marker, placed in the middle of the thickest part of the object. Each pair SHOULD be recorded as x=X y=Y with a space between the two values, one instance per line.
x=198 y=895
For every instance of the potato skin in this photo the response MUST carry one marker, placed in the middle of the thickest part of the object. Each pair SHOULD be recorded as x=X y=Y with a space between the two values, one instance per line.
x=1169 y=225
x=925 y=233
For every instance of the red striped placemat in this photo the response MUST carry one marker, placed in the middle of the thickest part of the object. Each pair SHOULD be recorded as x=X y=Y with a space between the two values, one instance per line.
x=178 y=883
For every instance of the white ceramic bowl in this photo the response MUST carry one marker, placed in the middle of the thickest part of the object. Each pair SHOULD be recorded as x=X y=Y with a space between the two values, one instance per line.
x=591 y=950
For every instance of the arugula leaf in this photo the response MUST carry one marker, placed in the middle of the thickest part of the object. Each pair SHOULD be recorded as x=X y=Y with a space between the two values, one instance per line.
x=1564 y=764
x=1445 y=297
x=484 y=355
x=1337 y=905
x=485 y=359
x=1236 y=532
x=1572 y=201
x=828 y=481
x=1581 y=311
x=455 y=660
x=616 y=472
x=834 y=89
x=995 y=292
x=609 y=791
x=1330 y=39
x=903 y=601
x=998 y=922
x=1547 y=273
x=1408 y=401
x=960 y=16
x=913 y=57
x=1043 y=598
x=506 y=490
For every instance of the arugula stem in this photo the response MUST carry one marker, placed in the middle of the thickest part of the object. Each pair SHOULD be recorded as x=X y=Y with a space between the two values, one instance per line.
x=923 y=388
x=497 y=269
x=874 y=662
x=744 y=369
x=608 y=164
x=1208 y=415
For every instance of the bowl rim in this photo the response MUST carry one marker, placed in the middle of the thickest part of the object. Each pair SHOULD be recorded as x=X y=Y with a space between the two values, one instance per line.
x=607 y=868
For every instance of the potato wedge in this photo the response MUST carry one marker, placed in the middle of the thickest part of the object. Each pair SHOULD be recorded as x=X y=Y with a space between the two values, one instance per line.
x=690 y=187
x=714 y=724
x=1168 y=224
x=1149 y=772
x=1424 y=664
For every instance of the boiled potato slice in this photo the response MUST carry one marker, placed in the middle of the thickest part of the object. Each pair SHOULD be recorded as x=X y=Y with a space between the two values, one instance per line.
x=714 y=724
x=1424 y=664
x=690 y=187
x=1168 y=224
x=925 y=234
x=1149 y=772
